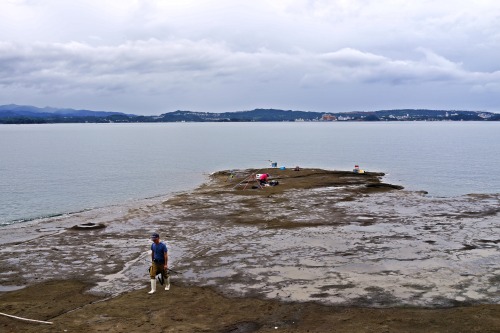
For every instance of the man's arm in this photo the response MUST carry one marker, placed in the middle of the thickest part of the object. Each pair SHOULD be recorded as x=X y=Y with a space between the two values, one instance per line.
x=166 y=259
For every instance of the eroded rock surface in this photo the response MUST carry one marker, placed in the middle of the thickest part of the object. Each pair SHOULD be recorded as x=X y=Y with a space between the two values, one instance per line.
x=322 y=236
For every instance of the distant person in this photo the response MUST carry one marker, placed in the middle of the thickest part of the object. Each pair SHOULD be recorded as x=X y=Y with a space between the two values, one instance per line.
x=263 y=178
x=159 y=265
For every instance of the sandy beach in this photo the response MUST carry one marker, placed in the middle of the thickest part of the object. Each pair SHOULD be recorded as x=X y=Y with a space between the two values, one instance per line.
x=323 y=251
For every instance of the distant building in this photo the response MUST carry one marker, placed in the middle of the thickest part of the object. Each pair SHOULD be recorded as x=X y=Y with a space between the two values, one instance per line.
x=328 y=117
x=343 y=118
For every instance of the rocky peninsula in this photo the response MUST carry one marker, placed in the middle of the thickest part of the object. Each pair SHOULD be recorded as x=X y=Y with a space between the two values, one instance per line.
x=320 y=251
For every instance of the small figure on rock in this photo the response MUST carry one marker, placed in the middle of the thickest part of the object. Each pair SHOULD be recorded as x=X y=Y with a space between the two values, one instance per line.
x=263 y=178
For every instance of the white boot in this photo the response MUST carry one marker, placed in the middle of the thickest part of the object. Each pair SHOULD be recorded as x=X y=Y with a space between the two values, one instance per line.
x=167 y=285
x=153 y=286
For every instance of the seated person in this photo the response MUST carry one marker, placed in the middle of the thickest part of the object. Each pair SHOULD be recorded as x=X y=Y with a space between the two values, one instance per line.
x=263 y=178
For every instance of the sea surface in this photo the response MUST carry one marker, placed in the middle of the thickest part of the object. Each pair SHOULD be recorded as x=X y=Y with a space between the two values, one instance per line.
x=47 y=170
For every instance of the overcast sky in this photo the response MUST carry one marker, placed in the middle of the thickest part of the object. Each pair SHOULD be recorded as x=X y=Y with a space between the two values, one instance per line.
x=155 y=56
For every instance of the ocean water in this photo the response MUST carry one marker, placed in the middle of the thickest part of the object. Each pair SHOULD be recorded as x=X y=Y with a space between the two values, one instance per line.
x=46 y=170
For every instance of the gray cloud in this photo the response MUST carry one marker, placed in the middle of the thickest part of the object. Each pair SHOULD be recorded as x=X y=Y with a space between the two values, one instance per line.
x=222 y=55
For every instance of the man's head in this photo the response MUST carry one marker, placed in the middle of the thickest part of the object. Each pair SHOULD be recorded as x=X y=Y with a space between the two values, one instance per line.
x=155 y=237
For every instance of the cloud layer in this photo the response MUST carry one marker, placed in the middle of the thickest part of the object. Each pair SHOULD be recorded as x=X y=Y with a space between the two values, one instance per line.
x=156 y=56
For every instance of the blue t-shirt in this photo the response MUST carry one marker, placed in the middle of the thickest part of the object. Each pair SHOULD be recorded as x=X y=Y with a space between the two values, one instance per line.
x=159 y=251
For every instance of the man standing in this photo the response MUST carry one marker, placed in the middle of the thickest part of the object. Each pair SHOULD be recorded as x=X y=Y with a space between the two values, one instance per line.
x=159 y=257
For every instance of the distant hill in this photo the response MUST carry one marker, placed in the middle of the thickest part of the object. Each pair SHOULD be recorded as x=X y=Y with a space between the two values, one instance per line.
x=289 y=115
x=23 y=114
x=253 y=115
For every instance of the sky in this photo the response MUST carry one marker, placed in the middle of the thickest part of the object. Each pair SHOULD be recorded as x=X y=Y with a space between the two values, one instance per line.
x=155 y=56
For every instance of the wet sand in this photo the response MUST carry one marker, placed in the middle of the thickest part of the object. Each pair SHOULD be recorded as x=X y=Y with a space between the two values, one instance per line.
x=322 y=251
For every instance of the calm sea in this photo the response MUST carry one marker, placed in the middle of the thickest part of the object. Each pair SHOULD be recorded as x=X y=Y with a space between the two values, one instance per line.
x=47 y=170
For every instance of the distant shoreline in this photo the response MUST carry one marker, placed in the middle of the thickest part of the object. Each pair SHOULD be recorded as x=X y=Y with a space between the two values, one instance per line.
x=18 y=114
